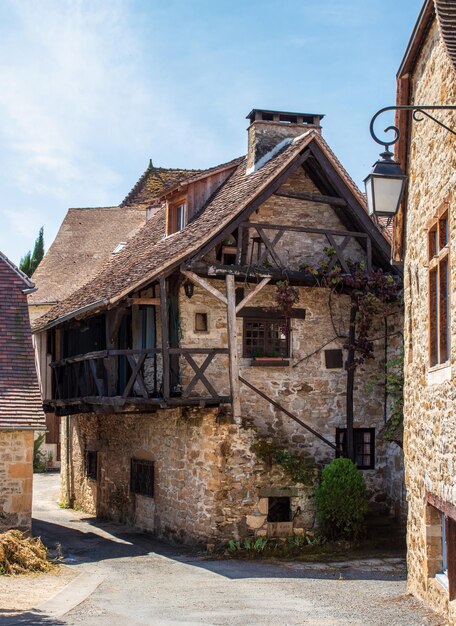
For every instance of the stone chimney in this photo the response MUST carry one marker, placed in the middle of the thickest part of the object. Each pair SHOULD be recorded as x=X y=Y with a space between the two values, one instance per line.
x=269 y=131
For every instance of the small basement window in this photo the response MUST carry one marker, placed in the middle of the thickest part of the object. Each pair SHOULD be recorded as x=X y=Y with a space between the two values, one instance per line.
x=201 y=324
x=333 y=359
x=142 y=477
x=91 y=464
x=279 y=509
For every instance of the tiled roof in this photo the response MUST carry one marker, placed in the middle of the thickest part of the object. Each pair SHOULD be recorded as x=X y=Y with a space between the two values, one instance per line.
x=153 y=182
x=149 y=253
x=85 y=241
x=446 y=15
x=20 y=398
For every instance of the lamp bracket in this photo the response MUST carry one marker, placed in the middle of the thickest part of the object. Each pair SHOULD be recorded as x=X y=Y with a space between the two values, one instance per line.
x=419 y=112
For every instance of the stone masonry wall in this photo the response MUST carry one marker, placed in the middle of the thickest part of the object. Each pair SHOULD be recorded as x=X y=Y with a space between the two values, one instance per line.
x=430 y=393
x=209 y=485
x=16 y=475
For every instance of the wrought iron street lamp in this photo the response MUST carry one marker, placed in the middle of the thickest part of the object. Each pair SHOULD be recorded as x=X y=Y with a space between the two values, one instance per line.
x=385 y=184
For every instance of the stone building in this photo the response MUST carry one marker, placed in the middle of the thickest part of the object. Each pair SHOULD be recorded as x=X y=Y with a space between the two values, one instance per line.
x=425 y=239
x=21 y=411
x=176 y=371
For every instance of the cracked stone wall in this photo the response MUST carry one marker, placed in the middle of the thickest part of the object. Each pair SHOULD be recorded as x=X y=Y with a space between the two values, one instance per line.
x=430 y=396
x=16 y=476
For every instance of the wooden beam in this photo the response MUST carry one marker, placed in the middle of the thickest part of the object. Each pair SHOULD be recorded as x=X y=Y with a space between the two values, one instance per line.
x=256 y=203
x=164 y=337
x=201 y=282
x=311 y=197
x=232 y=345
x=252 y=294
x=145 y=301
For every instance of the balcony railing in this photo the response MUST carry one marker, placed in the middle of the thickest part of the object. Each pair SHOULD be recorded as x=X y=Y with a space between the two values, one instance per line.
x=198 y=376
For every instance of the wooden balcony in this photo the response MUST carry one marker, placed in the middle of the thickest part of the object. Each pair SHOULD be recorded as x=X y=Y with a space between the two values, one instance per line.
x=139 y=380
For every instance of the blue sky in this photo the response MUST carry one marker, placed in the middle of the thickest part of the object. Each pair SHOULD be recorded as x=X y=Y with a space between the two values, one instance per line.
x=91 y=89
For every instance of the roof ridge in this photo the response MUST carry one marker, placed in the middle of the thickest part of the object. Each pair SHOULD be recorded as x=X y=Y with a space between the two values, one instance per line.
x=25 y=279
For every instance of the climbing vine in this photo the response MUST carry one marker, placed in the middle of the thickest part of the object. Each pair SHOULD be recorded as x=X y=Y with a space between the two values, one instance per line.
x=372 y=293
x=298 y=470
x=286 y=297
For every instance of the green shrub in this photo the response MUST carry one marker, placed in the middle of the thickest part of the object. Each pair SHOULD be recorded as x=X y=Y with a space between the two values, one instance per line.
x=341 y=500
x=39 y=464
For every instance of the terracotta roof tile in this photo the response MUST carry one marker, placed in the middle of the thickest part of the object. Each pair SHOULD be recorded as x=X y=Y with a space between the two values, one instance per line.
x=85 y=241
x=446 y=15
x=148 y=253
x=20 y=398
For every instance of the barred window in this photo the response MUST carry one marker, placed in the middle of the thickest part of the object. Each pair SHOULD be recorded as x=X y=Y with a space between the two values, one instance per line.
x=364 y=446
x=142 y=477
x=266 y=338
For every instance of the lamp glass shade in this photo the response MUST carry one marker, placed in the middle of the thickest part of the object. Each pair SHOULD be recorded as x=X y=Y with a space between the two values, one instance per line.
x=384 y=188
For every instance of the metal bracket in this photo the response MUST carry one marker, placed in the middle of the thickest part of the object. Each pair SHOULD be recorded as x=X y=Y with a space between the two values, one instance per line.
x=419 y=113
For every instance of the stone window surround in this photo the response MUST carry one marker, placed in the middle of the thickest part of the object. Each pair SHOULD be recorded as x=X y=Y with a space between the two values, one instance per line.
x=435 y=508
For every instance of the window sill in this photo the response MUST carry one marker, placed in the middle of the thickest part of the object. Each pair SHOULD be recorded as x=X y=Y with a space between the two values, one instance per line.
x=269 y=362
x=439 y=374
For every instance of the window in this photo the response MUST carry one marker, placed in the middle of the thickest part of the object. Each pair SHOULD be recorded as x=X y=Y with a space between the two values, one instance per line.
x=364 y=445
x=333 y=359
x=91 y=465
x=176 y=215
x=142 y=477
x=266 y=337
x=441 y=542
x=279 y=509
x=439 y=291
x=201 y=322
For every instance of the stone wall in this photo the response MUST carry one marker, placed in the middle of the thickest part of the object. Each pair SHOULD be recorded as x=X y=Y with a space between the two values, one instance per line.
x=430 y=426
x=16 y=475
x=209 y=484
x=305 y=386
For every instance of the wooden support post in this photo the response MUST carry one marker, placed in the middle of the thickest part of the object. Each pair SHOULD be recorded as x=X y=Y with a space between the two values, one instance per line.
x=164 y=337
x=350 y=366
x=232 y=345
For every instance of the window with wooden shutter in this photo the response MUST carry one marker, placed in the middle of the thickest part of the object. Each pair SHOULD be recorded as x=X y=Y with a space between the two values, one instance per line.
x=439 y=290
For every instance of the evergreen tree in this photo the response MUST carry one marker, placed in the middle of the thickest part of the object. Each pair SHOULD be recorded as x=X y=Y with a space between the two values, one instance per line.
x=31 y=260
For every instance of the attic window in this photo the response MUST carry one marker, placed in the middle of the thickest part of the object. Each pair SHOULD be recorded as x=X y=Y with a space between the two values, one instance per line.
x=176 y=215
x=119 y=247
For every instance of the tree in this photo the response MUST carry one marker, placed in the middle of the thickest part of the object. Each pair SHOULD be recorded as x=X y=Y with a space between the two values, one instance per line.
x=31 y=260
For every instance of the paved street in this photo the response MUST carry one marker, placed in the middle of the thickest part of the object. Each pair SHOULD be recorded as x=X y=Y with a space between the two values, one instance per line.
x=129 y=578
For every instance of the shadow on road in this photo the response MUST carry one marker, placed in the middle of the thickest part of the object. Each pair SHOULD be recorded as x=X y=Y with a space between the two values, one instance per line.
x=111 y=541
x=29 y=618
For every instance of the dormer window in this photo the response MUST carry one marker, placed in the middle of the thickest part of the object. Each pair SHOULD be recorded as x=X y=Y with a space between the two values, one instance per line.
x=176 y=215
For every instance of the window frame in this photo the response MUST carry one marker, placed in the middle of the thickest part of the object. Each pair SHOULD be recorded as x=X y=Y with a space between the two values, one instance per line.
x=176 y=214
x=135 y=467
x=341 y=434
x=439 y=288
x=247 y=352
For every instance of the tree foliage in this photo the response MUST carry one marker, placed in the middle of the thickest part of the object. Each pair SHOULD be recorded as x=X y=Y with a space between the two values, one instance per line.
x=341 y=500
x=31 y=260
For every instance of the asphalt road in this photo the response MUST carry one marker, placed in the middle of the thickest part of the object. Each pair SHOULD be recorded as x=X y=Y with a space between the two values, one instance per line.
x=131 y=579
